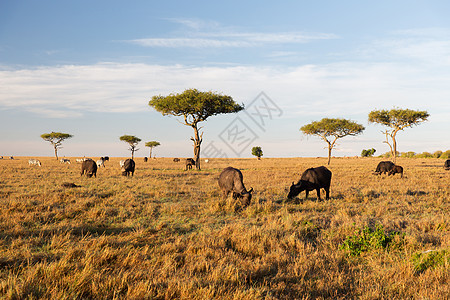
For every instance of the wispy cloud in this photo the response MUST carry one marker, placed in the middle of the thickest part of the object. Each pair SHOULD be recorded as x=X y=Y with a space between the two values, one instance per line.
x=202 y=34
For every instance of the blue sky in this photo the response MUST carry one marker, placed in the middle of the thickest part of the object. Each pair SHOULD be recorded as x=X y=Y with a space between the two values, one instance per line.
x=89 y=68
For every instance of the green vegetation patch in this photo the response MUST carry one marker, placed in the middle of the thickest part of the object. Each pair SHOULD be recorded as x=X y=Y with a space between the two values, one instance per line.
x=430 y=260
x=367 y=239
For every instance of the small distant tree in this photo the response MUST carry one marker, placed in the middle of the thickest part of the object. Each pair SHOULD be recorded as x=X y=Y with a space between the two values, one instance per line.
x=195 y=107
x=397 y=119
x=56 y=139
x=151 y=145
x=257 y=151
x=368 y=152
x=132 y=141
x=330 y=130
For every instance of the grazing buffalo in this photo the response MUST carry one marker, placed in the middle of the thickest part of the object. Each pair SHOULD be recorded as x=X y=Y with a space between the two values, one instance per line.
x=176 y=159
x=128 y=167
x=100 y=163
x=89 y=167
x=396 y=170
x=384 y=167
x=312 y=179
x=145 y=159
x=447 y=164
x=34 y=162
x=105 y=158
x=189 y=163
x=231 y=180
x=121 y=163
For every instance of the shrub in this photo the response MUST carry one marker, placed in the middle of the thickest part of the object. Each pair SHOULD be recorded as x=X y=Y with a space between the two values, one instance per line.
x=257 y=151
x=409 y=154
x=367 y=239
x=424 y=155
x=368 y=152
x=437 y=154
x=445 y=155
x=430 y=260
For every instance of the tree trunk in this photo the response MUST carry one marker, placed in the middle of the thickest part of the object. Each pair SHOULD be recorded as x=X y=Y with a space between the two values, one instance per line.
x=197 y=142
x=56 y=151
x=151 y=148
x=329 y=154
x=394 y=145
x=132 y=154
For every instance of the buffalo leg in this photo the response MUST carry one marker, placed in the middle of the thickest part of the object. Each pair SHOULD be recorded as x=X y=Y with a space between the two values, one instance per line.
x=327 y=193
x=306 y=194
x=318 y=194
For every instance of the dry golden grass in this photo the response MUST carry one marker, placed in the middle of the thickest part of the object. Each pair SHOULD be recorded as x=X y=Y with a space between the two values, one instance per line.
x=165 y=233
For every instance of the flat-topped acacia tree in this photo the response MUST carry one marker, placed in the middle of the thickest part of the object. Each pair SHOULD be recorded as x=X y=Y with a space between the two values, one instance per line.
x=397 y=119
x=195 y=107
x=56 y=139
x=132 y=141
x=332 y=129
x=151 y=145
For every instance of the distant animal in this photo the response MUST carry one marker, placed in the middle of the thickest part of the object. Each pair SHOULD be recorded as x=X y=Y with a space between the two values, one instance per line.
x=447 y=164
x=34 y=162
x=11 y=157
x=1 y=157
x=64 y=161
x=79 y=160
x=312 y=179
x=231 y=180
x=69 y=185
x=128 y=167
x=145 y=159
x=89 y=167
x=100 y=163
x=176 y=159
x=206 y=160
x=396 y=170
x=121 y=163
x=105 y=158
x=383 y=167
x=189 y=163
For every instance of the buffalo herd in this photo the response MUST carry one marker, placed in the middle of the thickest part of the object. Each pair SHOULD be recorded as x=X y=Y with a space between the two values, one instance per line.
x=231 y=179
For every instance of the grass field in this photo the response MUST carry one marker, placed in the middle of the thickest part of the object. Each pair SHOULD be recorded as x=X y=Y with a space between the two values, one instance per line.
x=166 y=234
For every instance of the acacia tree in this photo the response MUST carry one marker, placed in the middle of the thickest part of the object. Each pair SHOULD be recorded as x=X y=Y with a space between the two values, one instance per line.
x=152 y=144
x=332 y=129
x=397 y=119
x=132 y=141
x=56 y=139
x=195 y=107
x=257 y=151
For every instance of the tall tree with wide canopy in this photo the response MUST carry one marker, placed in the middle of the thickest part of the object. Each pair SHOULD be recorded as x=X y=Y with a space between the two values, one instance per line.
x=330 y=130
x=151 y=145
x=195 y=107
x=132 y=141
x=56 y=139
x=397 y=119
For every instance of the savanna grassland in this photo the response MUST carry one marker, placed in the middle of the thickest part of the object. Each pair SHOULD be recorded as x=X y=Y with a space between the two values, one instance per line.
x=165 y=233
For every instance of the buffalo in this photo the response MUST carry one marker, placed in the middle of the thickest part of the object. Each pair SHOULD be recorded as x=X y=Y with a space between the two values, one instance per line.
x=89 y=167
x=176 y=159
x=189 y=163
x=396 y=170
x=312 y=179
x=145 y=159
x=384 y=167
x=231 y=180
x=447 y=164
x=128 y=167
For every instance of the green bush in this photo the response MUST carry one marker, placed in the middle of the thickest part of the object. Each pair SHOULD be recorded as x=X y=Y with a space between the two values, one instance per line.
x=409 y=154
x=430 y=260
x=367 y=239
x=437 y=154
x=368 y=152
x=424 y=155
x=445 y=155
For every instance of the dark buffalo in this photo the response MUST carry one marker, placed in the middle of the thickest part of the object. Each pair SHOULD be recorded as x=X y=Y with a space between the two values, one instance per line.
x=128 y=167
x=89 y=167
x=447 y=164
x=176 y=159
x=384 y=167
x=189 y=163
x=105 y=158
x=231 y=180
x=396 y=170
x=312 y=179
x=145 y=159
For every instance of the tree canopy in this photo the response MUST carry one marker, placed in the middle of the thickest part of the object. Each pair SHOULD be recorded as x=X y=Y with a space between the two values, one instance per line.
x=132 y=141
x=56 y=139
x=332 y=129
x=397 y=119
x=195 y=106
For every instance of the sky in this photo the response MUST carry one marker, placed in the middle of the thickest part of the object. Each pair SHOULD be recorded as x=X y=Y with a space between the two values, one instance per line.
x=89 y=68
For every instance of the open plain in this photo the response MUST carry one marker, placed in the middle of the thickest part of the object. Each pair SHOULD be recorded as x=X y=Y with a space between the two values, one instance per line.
x=166 y=233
